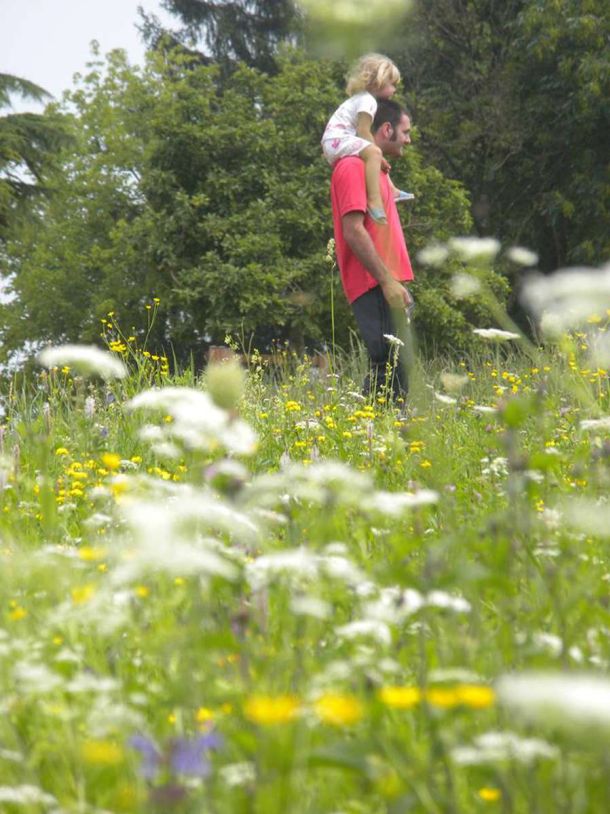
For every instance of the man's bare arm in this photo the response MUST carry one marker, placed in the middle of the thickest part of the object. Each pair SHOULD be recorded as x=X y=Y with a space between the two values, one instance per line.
x=359 y=241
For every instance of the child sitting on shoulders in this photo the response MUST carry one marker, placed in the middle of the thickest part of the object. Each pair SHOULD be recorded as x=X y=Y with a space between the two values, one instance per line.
x=348 y=131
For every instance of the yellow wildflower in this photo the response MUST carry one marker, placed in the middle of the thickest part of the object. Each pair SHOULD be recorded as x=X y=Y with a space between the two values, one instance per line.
x=339 y=710
x=400 y=697
x=475 y=696
x=489 y=794
x=269 y=709
x=82 y=594
x=111 y=460
x=102 y=753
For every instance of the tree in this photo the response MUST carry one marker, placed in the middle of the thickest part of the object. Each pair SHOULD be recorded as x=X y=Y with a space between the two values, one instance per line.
x=214 y=198
x=511 y=98
x=232 y=31
x=27 y=141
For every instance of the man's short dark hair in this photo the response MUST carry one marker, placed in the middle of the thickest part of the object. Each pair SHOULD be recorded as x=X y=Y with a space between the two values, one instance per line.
x=387 y=111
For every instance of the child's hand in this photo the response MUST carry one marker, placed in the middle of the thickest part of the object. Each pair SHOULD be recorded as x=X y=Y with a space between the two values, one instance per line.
x=385 y=166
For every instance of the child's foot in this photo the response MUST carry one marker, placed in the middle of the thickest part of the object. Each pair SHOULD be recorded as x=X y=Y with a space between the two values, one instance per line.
x=403 y=196
x=377 y=214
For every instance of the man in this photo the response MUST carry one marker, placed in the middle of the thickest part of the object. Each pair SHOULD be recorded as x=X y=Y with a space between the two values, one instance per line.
x=373 y=259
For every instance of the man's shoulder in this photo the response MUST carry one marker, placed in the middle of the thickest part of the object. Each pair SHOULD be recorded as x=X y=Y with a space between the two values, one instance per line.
x=350 y=168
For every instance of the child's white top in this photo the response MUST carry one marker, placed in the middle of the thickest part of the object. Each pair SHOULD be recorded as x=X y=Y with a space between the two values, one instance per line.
x=344 y=120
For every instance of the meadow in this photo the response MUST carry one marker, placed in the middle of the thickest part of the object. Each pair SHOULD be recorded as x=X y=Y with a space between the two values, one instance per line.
x=256 y=591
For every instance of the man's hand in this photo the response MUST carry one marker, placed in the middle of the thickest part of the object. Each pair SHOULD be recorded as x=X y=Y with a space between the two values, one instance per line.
x=385 y=167
x=396 y=295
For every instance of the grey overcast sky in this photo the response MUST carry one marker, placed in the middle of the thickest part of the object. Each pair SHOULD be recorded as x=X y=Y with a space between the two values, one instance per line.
x=47 y=41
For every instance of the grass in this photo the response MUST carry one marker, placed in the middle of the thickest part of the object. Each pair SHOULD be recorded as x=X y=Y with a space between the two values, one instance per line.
x=321 y=625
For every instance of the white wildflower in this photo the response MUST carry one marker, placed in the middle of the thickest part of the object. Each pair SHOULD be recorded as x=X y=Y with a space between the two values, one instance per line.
x=454 y=382
x=444 y=399
x=498 y=747
x=298 y=564
x=475 y=249
x=238 y=774
x=85 y=359
x=34 y=678
x=484 y=409
x=588 y=516
x=464 y=285
x=495 y=334
x=568 y=297
x=433 y=255
x=394 y=340
x=569 y=701
x=26 y=796
x=393 y=504
x=394 y=605
x=310 y=606
x=522 y=256
x=596 y=424
x=441 y=599
x=371 y=628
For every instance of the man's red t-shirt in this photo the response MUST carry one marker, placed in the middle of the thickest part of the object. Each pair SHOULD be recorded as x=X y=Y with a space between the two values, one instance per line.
x=348 y=194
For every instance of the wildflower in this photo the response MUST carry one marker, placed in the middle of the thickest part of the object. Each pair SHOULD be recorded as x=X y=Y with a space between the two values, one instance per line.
x=394 y=340
x=400 y=697
x=366 y=627
x=596 y=423
x=568 y=297
x=269 y=710
x=568 y=701
x=225 y=383
x=495 y=334
x=102 y=753
x=522 y=256
x=444 y=399
x=185 y=756
x=87 y=359
x=489 y=794
x=61 y=451
x=111 y=460
x=82 y=594
x=475 y=249
x=26 y=795
x=499 y=747
x=339 y=710
x=433 y=255
x=475 y=696
x=464 y=285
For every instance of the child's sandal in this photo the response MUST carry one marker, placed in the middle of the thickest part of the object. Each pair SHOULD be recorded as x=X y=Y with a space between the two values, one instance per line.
x=378 y=215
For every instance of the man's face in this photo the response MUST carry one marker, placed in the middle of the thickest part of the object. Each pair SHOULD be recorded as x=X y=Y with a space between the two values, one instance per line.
x=393 y=140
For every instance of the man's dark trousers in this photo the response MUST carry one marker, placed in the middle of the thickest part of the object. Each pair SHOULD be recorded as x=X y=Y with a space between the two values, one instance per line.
x=375 y=318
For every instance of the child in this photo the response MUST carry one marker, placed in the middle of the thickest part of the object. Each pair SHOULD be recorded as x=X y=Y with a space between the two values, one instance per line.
x=348 y=131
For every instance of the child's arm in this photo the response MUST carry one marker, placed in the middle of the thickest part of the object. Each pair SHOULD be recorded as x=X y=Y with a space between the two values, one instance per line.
x=363 y=126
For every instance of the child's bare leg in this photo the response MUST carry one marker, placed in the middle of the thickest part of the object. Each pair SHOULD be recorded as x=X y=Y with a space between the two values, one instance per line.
x=394 y=191
x=372 y=167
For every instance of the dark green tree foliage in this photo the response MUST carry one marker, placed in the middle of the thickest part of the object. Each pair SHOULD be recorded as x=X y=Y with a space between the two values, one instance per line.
x=231 y=31
x=27 y=143
x=214 y=199
x=512 y=99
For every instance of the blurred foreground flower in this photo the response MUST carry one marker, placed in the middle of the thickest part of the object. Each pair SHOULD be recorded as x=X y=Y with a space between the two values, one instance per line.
x=271 y=709
x=521 y=256
x=181 y=756
x=475 y=250
x=85 y=359
x=567 y=298
x=571 y=702
x=349 y=27
x=495 y=334
x=225 y=383
x=197 y=422
x=500 y=747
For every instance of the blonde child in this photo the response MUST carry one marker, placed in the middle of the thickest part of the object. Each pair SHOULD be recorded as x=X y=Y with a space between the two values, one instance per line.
x=348 y=131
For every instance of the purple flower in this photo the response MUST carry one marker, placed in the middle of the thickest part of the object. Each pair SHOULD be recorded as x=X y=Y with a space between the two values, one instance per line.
x=187 y=756
x=151 y=757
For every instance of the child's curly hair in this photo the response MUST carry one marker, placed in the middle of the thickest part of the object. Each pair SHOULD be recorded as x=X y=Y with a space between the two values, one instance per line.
x=371 y=72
